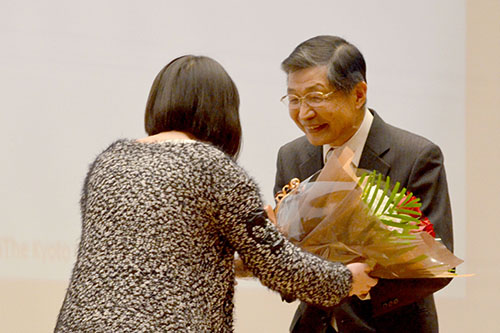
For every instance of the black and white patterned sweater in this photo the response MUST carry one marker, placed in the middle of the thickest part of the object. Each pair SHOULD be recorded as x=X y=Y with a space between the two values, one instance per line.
x=160 y=225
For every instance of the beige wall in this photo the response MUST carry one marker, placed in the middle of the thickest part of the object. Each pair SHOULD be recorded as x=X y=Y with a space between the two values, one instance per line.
x=26 y=308
x=479 y=308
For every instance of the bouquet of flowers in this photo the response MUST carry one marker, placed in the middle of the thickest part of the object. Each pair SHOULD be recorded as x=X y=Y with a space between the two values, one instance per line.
x=341 y=217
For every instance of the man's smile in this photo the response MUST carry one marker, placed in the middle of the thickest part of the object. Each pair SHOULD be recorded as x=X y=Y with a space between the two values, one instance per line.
x=314 y=128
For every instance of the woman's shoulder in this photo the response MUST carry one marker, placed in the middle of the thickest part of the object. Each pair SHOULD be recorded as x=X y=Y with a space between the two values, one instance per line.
x=191 y=153
x=219 y=164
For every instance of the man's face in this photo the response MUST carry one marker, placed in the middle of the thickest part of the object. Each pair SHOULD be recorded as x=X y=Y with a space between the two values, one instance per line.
x=339 y=116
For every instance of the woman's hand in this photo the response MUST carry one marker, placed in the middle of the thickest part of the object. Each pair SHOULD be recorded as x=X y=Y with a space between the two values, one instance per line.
x=270 y=214
x=361 y=281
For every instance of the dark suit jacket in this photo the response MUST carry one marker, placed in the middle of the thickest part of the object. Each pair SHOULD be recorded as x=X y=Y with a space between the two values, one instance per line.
x=402 y=305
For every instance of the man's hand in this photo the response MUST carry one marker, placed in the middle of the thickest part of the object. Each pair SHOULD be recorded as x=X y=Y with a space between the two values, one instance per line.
x=361 y=281
x=270 y=214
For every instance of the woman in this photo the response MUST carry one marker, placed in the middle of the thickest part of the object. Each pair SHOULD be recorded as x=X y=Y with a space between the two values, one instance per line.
x=163 y=216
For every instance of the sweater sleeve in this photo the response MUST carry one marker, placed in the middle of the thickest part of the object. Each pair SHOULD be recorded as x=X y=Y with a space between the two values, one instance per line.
x=279 y=264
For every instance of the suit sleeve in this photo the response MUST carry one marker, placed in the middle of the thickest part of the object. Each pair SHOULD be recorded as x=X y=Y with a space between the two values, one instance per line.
x=427 y=180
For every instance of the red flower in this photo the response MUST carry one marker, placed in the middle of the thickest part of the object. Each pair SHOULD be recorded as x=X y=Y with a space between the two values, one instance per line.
x=417 y=210
x=425 y=224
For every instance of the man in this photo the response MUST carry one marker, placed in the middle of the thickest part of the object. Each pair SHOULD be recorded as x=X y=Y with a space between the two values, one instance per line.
x=327 y=101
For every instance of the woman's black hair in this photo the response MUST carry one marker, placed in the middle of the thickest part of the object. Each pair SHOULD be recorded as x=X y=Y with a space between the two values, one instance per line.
x=194 y=94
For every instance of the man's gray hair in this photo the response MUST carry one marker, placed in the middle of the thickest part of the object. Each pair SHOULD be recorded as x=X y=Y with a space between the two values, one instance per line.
x=345 y=63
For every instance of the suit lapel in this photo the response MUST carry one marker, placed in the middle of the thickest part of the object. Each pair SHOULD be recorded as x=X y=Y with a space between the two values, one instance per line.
x=312 y=162
x=370 y=160
x=377 y=144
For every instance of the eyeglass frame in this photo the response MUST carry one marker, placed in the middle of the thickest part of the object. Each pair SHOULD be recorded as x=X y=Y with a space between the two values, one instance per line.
x=304 y=99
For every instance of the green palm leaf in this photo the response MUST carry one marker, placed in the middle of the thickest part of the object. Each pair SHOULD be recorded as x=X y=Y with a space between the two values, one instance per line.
x=395 y=208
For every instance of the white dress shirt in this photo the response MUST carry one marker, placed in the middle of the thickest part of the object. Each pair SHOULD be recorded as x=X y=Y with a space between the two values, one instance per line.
x=357 y=142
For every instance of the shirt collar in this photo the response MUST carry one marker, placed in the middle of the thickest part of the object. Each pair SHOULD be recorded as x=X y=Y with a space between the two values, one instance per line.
x=357 y=142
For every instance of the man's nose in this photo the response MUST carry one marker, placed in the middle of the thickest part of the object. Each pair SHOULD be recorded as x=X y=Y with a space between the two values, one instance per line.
x=305 y=111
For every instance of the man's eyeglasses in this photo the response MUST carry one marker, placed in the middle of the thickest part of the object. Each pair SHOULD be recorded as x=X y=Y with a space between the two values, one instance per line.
x=313 y=99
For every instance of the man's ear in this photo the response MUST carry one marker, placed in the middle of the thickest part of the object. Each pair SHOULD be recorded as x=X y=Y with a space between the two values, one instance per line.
x=359 y=94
